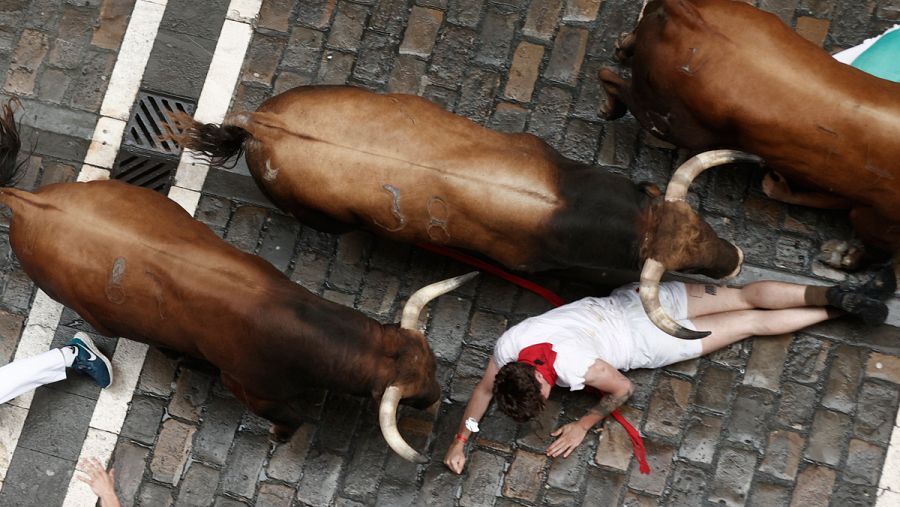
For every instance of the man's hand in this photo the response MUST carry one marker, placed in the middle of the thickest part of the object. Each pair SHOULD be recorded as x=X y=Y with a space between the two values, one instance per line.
x=456 y=457
x=102 y=482
x=570 y=436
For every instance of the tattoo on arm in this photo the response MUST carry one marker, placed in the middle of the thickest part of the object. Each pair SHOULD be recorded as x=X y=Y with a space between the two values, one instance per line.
x=710 y=289
x=609 y=403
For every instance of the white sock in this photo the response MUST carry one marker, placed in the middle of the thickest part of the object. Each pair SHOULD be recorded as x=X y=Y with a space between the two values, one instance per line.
x=69 y=354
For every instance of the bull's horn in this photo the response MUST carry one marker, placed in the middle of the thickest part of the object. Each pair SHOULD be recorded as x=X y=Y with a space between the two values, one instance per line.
x=387 y=419
x=649 y=292
x=422 y=296
x=685 y=174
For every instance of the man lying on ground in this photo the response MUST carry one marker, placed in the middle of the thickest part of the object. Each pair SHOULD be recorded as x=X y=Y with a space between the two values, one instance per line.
x=588 y=342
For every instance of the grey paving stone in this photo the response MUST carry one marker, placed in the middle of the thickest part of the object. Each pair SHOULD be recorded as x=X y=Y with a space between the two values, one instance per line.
x=375 y=56
x=144 y=417
x=659 y=457
x=338 y=421
x=170 y=455
x=844 y=377
x=688 y=487
x=191 y=392
x=749 y=412
x=854 y=495
x=796 y=406
x=56 y=424
x=769 y=495
x=154 y=494
x=230 y=185
x=178 y=64
x=465 y=12
x=199 y=485
x=783 y=454
x=245 y=227
x=35 y=478
x=700 y=438
x=199 y=21
x=304 y=49
x=286 y=463
x=496 y=35
x=451 y=54
x=366 y=468
x=604 y=487
x=568 y=473
x=548 y=118
x=806 y=359
x=320 y=478
x=278 y=240
x=875 y=411
x=864 y=462
x=245 y=464
x=389 y=17
x=826 y=442
x=734 y=473
x=274 y=495
x=667 y=407
x=483 y=479
x=216 y=434
x=347 y=27
x=129 y=462
x=523 y=478
x=714 y=388
x=398 y=494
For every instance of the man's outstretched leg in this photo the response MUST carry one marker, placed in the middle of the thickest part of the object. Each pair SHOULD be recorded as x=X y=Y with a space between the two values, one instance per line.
x=730 y=327
x=80 y=353
x=864 y=302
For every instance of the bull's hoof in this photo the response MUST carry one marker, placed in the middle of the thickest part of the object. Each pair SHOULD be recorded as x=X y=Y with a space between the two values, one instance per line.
x=841 y=254
x=279 y=434
x=625 y=46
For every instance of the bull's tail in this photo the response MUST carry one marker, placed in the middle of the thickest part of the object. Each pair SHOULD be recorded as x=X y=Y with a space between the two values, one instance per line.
x=10 y=144
x=220 y=143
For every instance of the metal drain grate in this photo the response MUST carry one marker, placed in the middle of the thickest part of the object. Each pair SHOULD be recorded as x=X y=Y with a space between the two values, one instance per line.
x=147 y=158
x=151 y=119
x=145 y=170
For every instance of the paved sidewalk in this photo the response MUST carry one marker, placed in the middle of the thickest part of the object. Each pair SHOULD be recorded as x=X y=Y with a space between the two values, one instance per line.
x=802 y=420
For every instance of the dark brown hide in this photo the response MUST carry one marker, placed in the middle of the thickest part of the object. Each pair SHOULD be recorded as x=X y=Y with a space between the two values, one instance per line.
x=407 y=169
x=134 y=264
x=719 y=73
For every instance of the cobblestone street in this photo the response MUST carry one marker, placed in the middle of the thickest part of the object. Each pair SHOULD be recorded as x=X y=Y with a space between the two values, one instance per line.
x=801 y=420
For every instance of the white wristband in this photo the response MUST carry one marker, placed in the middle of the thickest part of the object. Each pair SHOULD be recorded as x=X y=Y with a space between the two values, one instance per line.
x=472 y=425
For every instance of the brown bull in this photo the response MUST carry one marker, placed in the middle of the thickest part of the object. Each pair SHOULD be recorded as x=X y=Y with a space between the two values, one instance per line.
x=407 y=169
x=134 y=264
x=721 y=74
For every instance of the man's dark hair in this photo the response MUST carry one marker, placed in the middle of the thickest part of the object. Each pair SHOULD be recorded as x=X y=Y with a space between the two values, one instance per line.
x=518 y=392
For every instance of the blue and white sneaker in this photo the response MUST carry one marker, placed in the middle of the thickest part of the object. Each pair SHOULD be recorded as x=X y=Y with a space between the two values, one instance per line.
x=90 y=361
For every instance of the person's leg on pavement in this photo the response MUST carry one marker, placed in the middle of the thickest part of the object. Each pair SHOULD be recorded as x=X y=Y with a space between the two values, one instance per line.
x=864 y=301
x=730 y=327
x=27 y=374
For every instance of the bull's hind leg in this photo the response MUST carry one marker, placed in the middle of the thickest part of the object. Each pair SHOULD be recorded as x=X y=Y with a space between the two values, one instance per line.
x=285 y=420
x=615 y=87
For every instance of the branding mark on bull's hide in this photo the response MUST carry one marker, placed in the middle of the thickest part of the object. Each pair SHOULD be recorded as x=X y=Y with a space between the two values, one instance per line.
x=395 y=209
x=438 y=214
x=271 y=172
x=114 y=291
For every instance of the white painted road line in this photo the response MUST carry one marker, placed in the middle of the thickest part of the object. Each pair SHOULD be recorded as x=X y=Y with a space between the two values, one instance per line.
x=131 y=62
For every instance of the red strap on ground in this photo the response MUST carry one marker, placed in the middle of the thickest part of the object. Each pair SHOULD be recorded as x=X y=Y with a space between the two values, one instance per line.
x=637 y=443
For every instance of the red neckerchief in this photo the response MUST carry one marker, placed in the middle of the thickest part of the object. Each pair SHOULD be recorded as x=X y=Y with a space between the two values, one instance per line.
x=637 y=443
x=541 y=356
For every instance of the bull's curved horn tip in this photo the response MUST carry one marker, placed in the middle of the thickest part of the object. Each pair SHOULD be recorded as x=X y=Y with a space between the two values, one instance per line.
x=387 y=419
x=740 y=263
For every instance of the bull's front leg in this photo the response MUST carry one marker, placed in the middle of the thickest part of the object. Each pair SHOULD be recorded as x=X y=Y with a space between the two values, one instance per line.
x=285 y=420
x=625 y=47
x=616 y=88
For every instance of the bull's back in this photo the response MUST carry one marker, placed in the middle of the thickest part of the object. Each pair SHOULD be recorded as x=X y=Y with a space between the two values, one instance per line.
x=404 y=167
x=135 y=264
x=721 y=66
